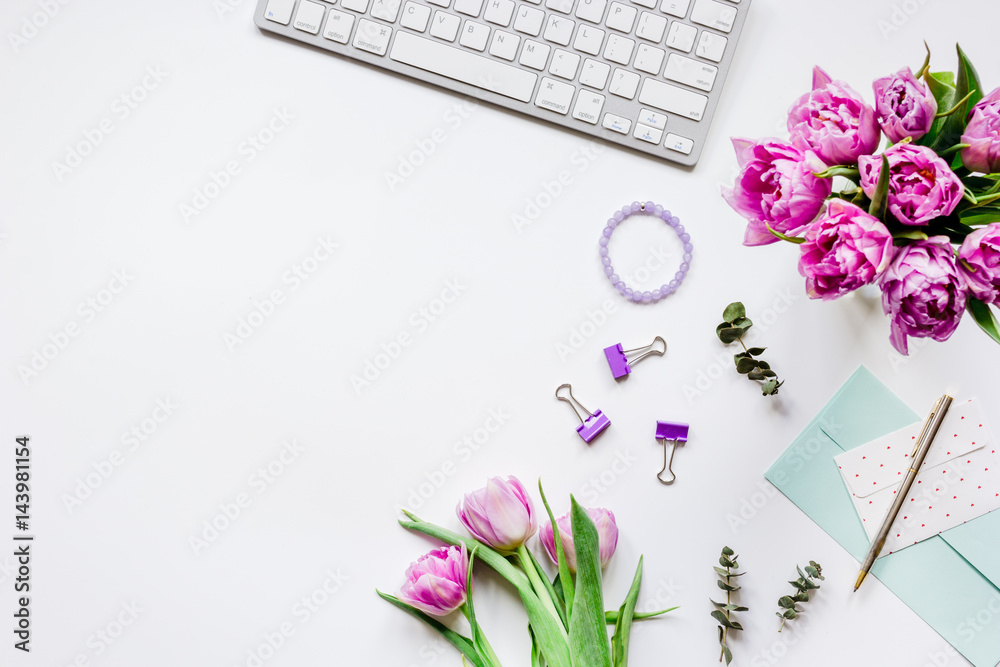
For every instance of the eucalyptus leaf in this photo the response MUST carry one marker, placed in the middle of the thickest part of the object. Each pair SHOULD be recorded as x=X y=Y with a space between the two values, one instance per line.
x=768 y=373
x=745 y=365
x=743 y=323
x=733 y=312
x=727 y=654
x=756 y=374
x=764 y=365
x=723 y=621
x=730 y=335
x=756 y=351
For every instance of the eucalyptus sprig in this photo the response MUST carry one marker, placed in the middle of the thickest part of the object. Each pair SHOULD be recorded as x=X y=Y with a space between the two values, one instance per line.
x=734 y=326
x=723 y=613
x=805 y=583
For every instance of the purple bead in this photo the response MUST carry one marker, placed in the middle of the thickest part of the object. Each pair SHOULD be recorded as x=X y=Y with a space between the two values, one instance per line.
x=679 y=276
x=637 y=296
x=686 y=257
x=626 y=211
x=680 y=227
x=647 y=297
x=604 y=241
x=619 y=216
x=688 y=247
x=664 y=289
x=673 y=222
x=665 y=215
x=607 y=232
x=635 y=206
x=614 y=278
x=684 y=267
x=606 y=261
x=603 y=251
x=628 y=292
x=609 y=270
x=657 y=210
x=685 y=237
x=656 y=295
x=674 y=283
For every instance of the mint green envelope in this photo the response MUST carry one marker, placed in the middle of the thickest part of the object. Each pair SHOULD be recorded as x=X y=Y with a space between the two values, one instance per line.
x=952 y=580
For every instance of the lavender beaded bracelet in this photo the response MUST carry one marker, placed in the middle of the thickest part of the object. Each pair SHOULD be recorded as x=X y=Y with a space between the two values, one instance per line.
x=655 y=295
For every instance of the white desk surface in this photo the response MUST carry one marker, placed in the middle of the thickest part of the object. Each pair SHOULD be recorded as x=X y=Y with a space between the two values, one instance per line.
x=156 y=334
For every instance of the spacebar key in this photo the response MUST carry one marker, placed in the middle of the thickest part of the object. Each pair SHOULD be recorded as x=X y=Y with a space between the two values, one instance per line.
x=463 y=66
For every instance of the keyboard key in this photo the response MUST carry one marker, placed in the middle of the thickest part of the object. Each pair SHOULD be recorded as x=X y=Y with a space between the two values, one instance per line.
x=463 y=66
x=595 y=73
x=445 y=26
x=279 y=11
x=678 y=8
x=475 y=36
x=645 y=3
x=338 y=26
x=554 y=96
x=651 y=27
x=588 y=107
x=561 y=6
x=621 y=17
x=678 y=143
x=714 y=15
x=469 y=7
x=591 y=10
x=624 y=83
x=499 y=12
x=359 y=6
x=372 y=37
x=646 y=133
x=440 y=3
x=309 y=17
x=711 y=46
x=415 y=16
x=559 y=30
x=681 y=36
x=616 y=123
x=529 y=21
x=564 y=65
x=673 y=99
x=690 y=72
x=504 y=44
x=534 y=55
x=649 y=59
x=589 y=40
x=653 y=119
x=386 y=10
x=619 y=49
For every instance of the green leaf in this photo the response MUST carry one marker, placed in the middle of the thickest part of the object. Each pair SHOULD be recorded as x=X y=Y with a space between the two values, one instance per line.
x=984 y=317
x=743 y=323
x=968 y=80
x=479 y=641
x=851 y=173
x=764 y=365
x=788 y=613
x=771 y=387
x=733 y=312
x=756 y=351
x=727 y=551
x=881 y=195
x=725 y=622
x=942 y=86
x=612 y=616
x=786 y=602
x=565 y=577
x=557 y=600
x=588 y=640
x=536 y=655
x=725 y=562
x=980 y=215
x=768 y=373
x=462 y=643
x=756 y=374
x=721 y=572
x=726 y=587
x=912 y=234
x=811 y=571
x=623 y=628
x=790 y=239
x=729 y=335
x=745 y=365
x=727 y=654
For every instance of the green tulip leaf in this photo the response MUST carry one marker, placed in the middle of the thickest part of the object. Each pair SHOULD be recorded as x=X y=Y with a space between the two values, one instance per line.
x=623 y=628
x=557 y=600
x=611 y=617
x=942 y=86
x=980 y=215
x=881 y=196
x=461 y=642
x=588 y=639
x=984 y=317
x=565 y=577
x=783 y=237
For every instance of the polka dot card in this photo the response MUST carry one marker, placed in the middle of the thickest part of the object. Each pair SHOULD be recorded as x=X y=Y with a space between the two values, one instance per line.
x=959 y=479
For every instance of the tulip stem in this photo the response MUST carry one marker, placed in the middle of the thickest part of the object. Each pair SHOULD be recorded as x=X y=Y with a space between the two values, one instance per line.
x=483 y=642
x=536 y=582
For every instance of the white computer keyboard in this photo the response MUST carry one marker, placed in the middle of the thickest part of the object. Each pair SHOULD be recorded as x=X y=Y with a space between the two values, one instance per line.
x=646 y=74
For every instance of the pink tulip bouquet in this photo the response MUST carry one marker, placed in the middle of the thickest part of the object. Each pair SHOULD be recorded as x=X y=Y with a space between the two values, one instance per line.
x=567 y=620
x=921 y=218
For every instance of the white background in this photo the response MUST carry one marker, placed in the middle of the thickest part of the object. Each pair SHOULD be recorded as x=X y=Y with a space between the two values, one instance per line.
x=524 y=293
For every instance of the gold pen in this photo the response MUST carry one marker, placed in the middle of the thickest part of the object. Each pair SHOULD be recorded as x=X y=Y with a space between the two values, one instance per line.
x=931 y=426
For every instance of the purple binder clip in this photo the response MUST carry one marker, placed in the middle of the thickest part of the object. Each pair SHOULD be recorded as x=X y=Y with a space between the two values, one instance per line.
x=593 y=423
x=618 y=359
x=672 y=434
